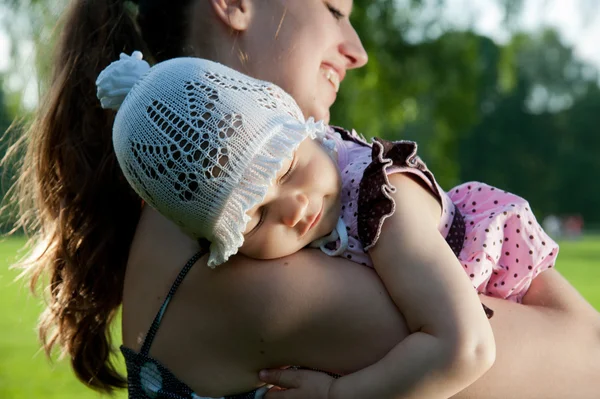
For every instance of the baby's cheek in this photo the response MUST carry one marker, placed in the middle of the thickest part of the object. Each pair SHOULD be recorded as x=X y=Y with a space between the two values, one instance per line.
x=274 y=246
x=291 y=246
x=249 y=251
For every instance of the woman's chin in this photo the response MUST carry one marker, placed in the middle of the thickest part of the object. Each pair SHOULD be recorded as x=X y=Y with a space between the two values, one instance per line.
x=319 y=114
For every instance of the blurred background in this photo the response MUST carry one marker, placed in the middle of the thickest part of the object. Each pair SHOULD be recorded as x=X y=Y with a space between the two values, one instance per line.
x=502 y=91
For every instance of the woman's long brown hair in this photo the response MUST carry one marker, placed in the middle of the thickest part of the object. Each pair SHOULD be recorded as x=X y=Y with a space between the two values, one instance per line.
x=74 y=202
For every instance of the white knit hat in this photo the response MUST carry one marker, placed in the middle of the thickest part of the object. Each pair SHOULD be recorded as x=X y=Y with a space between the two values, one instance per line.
x=200 y=142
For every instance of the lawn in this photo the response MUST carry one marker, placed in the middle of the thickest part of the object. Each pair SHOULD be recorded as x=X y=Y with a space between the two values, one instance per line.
x=25 y=372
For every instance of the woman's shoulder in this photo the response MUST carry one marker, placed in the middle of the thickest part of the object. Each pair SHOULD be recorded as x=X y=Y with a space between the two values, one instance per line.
x=293 y=310
x=160 y=250
x=247 y=287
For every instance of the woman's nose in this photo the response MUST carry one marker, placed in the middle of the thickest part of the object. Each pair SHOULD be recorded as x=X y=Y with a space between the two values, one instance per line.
x=353 y=49
x=293 y=209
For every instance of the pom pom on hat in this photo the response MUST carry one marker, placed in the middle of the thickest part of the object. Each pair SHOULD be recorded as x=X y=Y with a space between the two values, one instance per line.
x=117 y=79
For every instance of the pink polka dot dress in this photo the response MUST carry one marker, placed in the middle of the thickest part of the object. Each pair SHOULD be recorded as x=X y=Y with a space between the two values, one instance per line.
x=493 y=233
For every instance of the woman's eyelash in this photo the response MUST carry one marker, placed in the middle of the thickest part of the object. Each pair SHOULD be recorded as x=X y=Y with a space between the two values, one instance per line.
x=337 y=14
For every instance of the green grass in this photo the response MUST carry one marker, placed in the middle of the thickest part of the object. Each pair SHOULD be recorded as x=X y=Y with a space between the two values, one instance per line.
x=579 y=262
x=26 y=373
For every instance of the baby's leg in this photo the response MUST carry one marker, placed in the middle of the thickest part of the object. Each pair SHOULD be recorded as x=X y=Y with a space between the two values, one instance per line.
x=550 y=290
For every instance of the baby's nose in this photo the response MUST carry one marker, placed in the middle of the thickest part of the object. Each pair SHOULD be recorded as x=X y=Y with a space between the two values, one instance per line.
x=293 y=209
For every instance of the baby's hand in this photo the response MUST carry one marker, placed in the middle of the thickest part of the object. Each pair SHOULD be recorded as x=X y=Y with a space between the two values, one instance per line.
x=297 y=384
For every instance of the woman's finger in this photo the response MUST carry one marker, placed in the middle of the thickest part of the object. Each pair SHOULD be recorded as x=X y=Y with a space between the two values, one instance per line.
x=282 y=378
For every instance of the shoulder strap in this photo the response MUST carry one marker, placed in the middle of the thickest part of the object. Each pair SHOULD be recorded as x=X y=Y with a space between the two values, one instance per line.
x=155 y=324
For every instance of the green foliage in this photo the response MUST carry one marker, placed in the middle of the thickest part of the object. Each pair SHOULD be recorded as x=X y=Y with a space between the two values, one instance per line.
x=5 y=117
x=519 y=116
x=7 y=166
x=429 y=91
x=459 y=94
x=28 y=22
x=539 y=140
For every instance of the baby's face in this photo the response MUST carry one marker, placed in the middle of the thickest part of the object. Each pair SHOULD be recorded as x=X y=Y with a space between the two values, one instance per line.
x=302 y=204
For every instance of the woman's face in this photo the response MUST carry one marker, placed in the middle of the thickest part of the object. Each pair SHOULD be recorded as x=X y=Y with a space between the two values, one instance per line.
x=303 y=46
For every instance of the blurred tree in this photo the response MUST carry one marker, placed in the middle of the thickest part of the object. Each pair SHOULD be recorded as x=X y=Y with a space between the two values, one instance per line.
x=578 y=161
x=5 y=117
x=7 y=169
x=32 y=22
x=426 y=90
x=540 y=139
x=502 y=114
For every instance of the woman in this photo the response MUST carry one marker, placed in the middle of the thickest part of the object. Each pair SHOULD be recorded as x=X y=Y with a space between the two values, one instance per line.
x=102 y=247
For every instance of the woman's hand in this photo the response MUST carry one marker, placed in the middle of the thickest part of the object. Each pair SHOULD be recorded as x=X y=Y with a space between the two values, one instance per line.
x=297 y=384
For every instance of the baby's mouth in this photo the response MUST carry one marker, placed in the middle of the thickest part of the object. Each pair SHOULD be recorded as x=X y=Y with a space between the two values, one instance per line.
x=312 y=221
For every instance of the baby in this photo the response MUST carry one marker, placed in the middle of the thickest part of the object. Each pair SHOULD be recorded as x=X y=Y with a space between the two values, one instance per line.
x=231 y=159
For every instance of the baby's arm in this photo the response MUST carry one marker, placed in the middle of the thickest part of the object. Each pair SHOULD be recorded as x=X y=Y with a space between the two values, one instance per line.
x=451 y=343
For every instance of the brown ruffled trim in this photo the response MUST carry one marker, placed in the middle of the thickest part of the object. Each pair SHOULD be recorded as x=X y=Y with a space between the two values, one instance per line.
x=351 y=136
x=488 y=312
x=375 y=203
